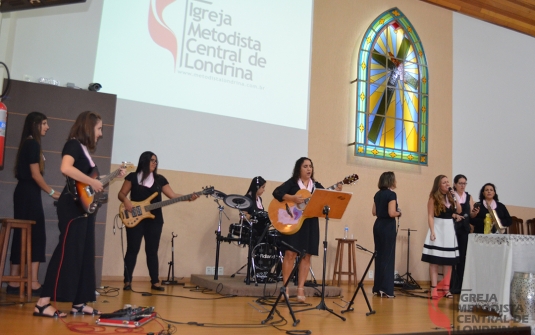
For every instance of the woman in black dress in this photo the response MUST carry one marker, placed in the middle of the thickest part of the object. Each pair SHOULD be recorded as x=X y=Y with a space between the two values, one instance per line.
x=257 y=211
x=462 y=229
x=142 y=184
x=489 y=197
x=70 y=276
x=29 y=170
x=385 y=207
x=308 y=237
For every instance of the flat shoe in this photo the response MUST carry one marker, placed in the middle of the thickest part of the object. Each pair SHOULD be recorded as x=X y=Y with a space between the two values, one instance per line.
x=12 y=290
x=157 y=288
x=127 y=287
x=41 y=309
x=79 y=310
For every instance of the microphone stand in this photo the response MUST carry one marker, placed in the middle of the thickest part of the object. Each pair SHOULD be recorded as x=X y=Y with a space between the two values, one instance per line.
x=218 y=237
x=361 y=284
x=171 y=279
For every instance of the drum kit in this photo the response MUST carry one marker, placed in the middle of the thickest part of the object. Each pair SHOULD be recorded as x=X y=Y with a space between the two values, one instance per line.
x=254 y=231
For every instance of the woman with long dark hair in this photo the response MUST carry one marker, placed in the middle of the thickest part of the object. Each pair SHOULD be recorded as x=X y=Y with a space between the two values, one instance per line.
x=27 y=202
x=488 y=198
x=70 y=276
x=385 y=207
x=140 y=185
x=308 y=237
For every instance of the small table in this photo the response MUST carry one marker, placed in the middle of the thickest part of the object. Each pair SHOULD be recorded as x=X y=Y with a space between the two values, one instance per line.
x=351 y=261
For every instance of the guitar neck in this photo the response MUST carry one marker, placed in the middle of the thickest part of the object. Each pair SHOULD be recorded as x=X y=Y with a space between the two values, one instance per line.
x=333 y=186
x=110 y=177
x=171 y=201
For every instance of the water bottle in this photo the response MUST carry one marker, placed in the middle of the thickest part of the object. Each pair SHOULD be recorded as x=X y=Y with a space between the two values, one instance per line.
x=346 y=232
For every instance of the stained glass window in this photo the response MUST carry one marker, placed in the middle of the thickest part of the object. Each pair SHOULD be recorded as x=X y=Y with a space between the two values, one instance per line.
x=392 y=92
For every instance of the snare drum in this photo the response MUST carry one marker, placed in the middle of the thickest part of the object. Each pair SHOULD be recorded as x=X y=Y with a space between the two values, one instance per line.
x=239 y=231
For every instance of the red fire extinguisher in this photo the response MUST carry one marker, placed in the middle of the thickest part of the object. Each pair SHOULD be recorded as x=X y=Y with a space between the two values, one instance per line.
x=3 y=126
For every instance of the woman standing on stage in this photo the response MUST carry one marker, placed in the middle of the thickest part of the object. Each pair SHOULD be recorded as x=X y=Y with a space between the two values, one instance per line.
x=308 y=237
x=27 y=203
x=71 y=272
x=440 y=246
x=385 y=207
x=462 y=229
x=489 y=198
x=142 y=184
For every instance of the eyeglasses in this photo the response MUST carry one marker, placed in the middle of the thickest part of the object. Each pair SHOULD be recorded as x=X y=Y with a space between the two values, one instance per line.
x=463 y=184
x=154 y=161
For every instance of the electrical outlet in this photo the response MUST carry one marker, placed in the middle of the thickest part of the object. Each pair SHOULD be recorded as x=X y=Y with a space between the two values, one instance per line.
x=210 y=270
x=370 y=274
x=219 y=271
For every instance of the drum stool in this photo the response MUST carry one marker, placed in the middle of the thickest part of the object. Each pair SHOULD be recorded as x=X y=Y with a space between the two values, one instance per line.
x=351 y=262
x=25 y=254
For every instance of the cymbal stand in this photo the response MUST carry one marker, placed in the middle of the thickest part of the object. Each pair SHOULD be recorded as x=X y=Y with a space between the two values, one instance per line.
x=410 y=283
x=171 y=273
x=249 y=250
x=322 y=305
x=219 y=238
x=361 y=284
x=283 y=289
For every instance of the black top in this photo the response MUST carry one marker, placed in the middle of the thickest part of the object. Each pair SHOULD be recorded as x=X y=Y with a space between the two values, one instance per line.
x=381 y=199
x=74 y=149
x=479 y=223
x=139 y=192
x=30 y=153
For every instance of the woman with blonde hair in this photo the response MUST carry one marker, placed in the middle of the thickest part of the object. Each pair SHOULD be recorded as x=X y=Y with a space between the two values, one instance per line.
x=440 y=247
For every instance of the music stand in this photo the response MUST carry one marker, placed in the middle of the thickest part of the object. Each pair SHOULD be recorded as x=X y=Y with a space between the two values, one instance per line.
x=333 y=204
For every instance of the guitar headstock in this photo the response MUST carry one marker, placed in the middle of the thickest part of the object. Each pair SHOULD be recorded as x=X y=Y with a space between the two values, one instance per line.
x=350 y=179
x=127 y=165
x=207 y=190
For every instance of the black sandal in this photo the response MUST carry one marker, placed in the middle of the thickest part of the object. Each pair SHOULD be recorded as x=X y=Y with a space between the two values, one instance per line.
x=80 y=310
x=41 y=309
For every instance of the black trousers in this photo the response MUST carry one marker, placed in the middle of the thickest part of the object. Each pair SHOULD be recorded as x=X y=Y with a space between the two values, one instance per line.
x=384 y=236
x=152 y=232
x=457 y=273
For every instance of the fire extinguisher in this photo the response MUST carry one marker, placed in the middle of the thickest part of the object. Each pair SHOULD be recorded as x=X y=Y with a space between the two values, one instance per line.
x=3 y=126
x=3 y=118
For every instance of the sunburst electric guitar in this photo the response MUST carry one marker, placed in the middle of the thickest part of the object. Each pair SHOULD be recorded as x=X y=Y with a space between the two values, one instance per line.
x=287 y=217
x=88 y=199
x=141 y=210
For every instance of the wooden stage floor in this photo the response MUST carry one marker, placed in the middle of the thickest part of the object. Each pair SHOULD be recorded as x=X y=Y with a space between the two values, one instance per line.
x=192 y=310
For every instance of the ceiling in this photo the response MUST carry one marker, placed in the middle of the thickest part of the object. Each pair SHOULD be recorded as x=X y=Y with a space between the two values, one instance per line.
x=518 y=15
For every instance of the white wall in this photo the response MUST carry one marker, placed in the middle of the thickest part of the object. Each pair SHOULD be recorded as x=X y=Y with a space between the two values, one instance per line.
x=493 y=109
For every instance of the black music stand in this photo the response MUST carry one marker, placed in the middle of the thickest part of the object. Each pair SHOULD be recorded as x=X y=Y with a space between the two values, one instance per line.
x=283 y=289
x=409 y=282
x=326 y=202
x=361 y=284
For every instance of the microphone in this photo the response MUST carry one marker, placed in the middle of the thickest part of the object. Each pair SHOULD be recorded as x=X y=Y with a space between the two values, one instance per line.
x=453 y=195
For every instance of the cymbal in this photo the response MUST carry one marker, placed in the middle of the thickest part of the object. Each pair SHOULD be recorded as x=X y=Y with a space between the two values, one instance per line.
x=219 y=195
x=237 y=201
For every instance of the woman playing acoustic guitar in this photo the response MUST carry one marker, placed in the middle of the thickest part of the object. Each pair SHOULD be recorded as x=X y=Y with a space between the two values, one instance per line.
x=141 y=185
x=308 y=237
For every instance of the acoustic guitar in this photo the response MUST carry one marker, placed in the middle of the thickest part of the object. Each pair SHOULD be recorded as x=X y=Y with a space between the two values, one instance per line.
x=141 y=209
x=287 y=217
x=84 y=194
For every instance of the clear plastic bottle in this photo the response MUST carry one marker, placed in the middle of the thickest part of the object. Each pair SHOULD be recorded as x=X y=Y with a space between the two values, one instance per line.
x=488 y=224
x=346 y=232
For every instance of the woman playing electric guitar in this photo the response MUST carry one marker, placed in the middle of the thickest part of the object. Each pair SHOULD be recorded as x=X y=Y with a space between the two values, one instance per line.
x=308 y=237
x=141 y=185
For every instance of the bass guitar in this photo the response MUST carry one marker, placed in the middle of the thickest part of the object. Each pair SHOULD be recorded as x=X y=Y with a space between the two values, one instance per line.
x=141 y=210
x=287 y=216
x=84 y=194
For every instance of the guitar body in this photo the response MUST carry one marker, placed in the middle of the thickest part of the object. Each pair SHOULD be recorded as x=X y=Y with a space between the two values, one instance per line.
x=88 y=199
x=286 y=216
x=139 y=212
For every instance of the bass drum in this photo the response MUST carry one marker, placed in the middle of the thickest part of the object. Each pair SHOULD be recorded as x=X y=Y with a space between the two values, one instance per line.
x=267 y=263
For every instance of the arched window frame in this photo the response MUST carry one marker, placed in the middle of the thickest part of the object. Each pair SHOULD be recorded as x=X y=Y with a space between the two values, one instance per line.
x=399 y=153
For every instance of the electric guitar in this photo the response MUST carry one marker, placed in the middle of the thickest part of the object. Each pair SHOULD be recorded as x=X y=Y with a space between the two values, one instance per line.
x=84 y=194
x=287 y=217
x=141 y=210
